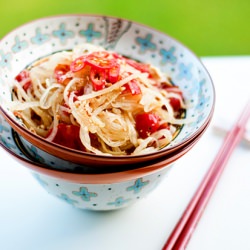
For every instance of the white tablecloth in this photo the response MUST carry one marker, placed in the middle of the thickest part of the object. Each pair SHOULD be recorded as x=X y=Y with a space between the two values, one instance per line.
x=30 y=219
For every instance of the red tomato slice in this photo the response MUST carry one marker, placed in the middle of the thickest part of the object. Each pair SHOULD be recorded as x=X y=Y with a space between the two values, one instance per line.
x=98 y=79
x=174 y=102
x=60 y=72
x=78 y=64
x=146 y=124
x=24 y=77
x=68 y=136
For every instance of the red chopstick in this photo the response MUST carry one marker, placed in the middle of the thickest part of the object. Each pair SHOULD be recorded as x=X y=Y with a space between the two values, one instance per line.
x=182 y=232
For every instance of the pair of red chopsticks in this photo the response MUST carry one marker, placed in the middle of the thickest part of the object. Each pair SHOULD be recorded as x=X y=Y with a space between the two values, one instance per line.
x=181 y=234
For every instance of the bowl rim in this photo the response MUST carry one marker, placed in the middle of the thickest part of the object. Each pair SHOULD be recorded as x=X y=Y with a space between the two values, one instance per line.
x=78 y=156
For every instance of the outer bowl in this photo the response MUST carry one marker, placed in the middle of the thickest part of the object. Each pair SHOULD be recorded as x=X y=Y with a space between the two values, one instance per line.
x=45 y=36
x=97 y=191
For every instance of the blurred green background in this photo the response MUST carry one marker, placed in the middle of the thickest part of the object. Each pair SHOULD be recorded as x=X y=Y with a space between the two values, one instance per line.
x=214 y=27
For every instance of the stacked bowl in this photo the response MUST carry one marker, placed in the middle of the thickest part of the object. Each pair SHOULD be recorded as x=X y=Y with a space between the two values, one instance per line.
x=83 y=179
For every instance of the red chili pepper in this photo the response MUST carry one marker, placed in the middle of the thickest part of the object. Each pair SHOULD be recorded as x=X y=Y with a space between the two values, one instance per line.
x=143 y=67
x=98 y=79
x=103 y=68
x=60 y=72
x=24 y=77
x=146 y=124
x=100 y=60
x=113 y=73
x=78 y=64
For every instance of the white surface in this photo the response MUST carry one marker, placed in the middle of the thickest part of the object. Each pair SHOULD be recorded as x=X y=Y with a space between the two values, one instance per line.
x=30 y=219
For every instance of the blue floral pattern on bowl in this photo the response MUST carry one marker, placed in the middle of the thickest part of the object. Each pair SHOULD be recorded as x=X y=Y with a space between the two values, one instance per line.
x=46 y=36
x=101 y=196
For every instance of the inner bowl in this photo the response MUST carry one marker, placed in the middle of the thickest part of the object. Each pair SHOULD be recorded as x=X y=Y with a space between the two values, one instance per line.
x=52 y=162
x=28 y=154
x=46 y=36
